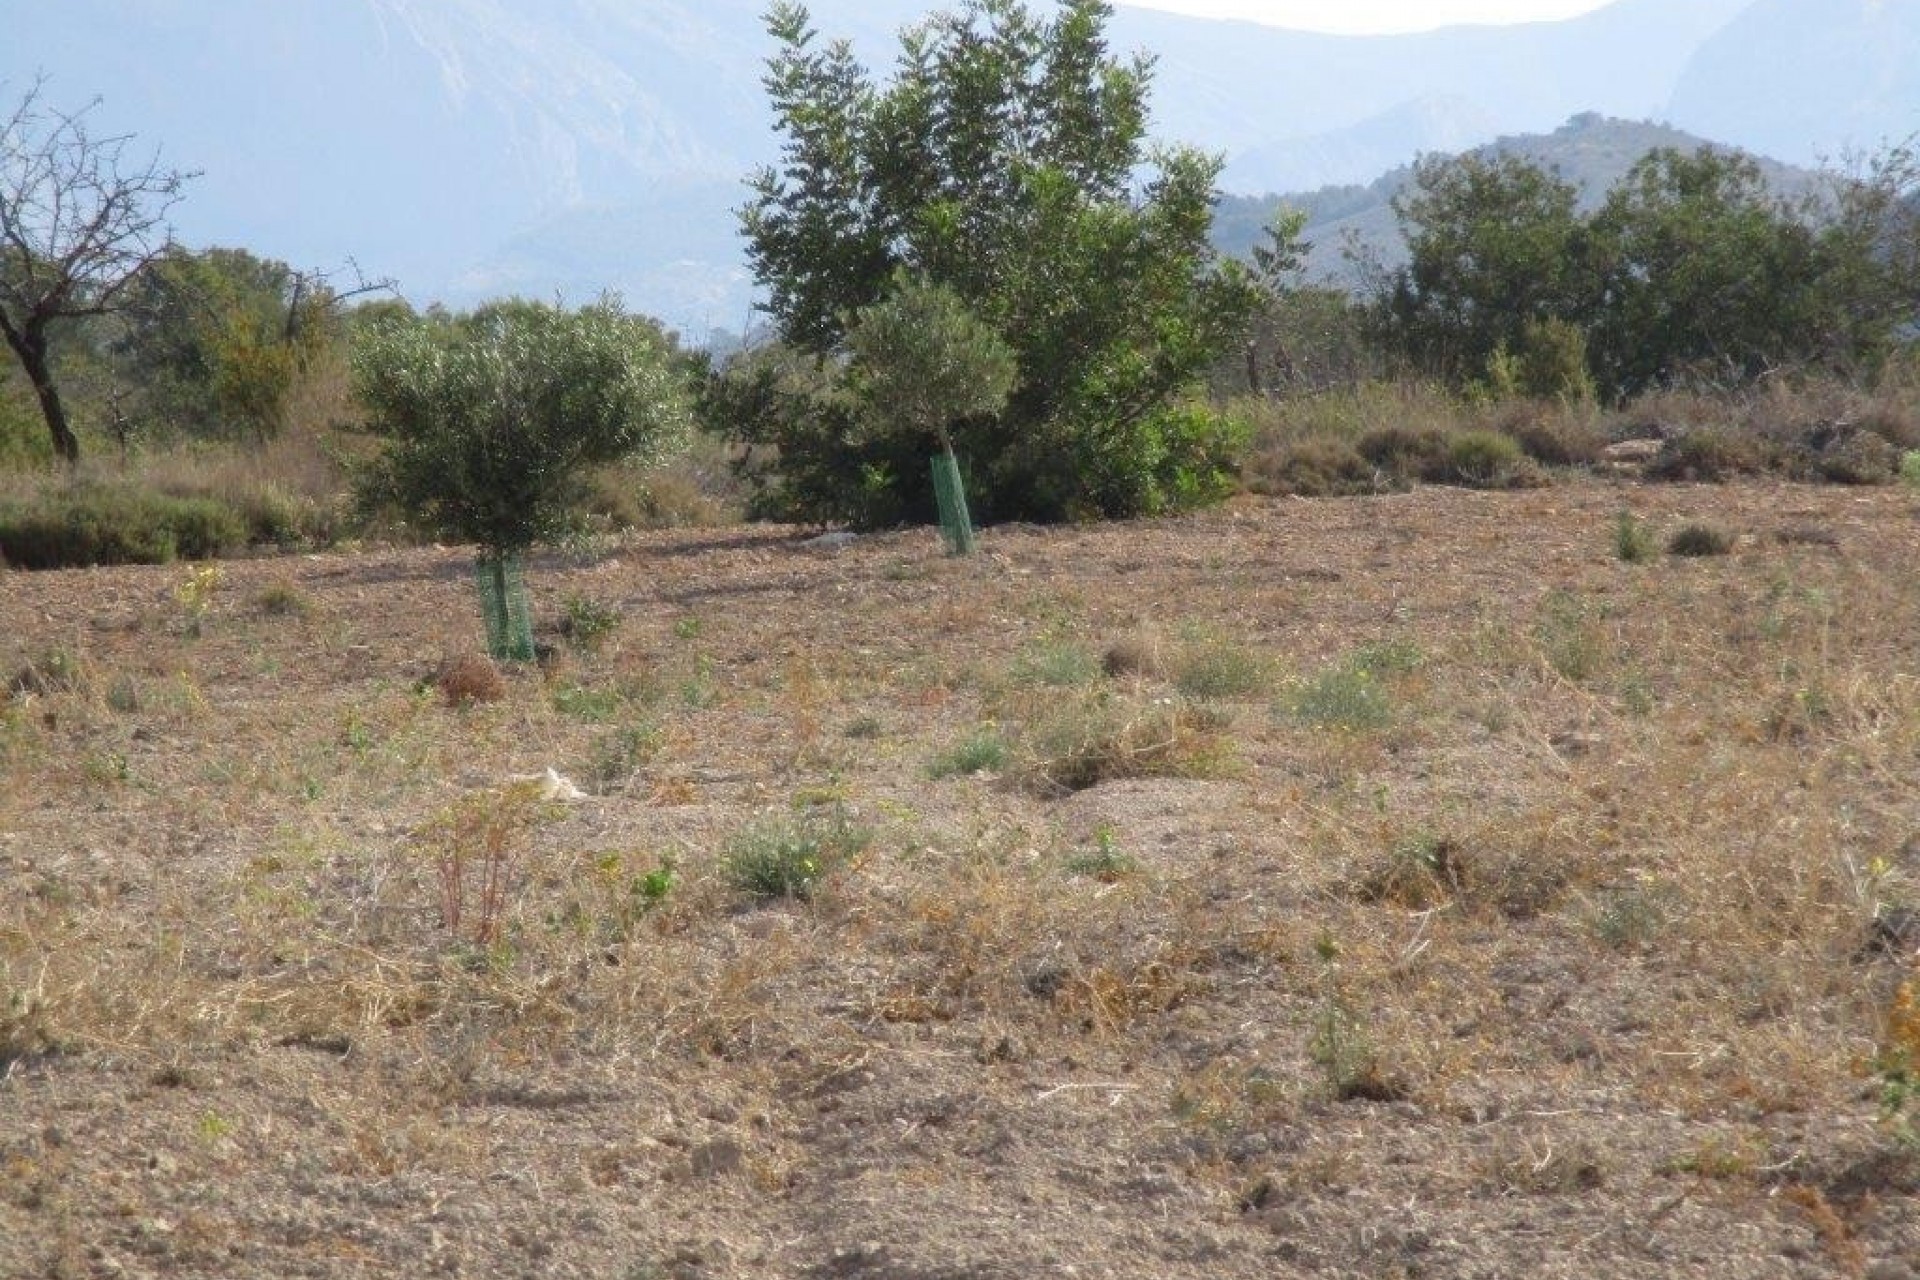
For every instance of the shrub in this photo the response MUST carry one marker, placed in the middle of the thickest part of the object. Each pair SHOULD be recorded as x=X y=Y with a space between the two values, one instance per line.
x=1555 y=439
x=1099 y=740
x=1708 y=454
x=1341 y=697
x=469 y=678
x=1313 y=468
x=1057 y=666
x=588 y=622
x=1632 y=540
x=1406 y=453
x=787 y=857
x=1699 y=540
x=1218 y=670
x=1859 y=457
x=1484 y=460
x=93 y=524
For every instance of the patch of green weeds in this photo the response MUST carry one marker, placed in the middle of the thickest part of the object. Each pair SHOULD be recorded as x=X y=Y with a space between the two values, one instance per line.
x=1219 y=671
x=982 y=751
x=588 y=704
x=1570 y=636
x=1057 y=666
x=1341 y=697
x=865 y=728
x=620 y=754
x=1633 y=541
x=1106 y=862
x=283 y=600
x=1339 y=1045
x=1631 y=917
x=687 y=628
x=1100 y=738
x=588 y=623
x=1388 y=658
x=787 y=856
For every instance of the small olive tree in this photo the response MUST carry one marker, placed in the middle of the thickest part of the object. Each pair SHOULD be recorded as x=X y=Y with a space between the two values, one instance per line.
x=492 y=421
x=918 y=362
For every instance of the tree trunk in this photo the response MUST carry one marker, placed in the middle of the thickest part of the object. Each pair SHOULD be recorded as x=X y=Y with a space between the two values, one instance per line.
x=30 y=344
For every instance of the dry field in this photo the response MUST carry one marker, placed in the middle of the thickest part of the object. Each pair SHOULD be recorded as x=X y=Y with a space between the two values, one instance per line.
x=1371 y=887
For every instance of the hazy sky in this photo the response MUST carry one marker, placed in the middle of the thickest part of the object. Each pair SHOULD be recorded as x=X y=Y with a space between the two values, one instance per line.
x=1358 y=16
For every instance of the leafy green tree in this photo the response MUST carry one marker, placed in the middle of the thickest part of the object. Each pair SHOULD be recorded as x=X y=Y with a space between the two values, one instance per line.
x=1004 y=161
x=214 y=340
x=1494 y=243
x=1691 y=267
x=490 y=422
x=79 y=218
x=1702 y=270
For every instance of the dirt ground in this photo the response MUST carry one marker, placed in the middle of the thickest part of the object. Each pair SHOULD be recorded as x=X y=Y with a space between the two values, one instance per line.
x=1392 y=887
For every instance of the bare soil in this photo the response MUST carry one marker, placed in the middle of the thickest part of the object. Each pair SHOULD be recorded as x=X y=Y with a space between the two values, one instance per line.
x=1451 y=898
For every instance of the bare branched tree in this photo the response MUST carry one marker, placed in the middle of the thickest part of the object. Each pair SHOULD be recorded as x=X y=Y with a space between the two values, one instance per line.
x=79 y=216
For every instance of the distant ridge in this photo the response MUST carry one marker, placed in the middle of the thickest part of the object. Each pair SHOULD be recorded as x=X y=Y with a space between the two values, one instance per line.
x=476 y=147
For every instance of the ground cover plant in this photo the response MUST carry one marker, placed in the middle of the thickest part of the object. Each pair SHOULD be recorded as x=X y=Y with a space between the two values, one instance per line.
x=1355 y=887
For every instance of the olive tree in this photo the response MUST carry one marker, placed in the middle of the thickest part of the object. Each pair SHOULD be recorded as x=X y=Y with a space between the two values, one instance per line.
x=491 y=422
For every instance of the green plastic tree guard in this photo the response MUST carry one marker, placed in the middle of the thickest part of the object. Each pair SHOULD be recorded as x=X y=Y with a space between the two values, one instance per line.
x=503 y=602
x=956 y=526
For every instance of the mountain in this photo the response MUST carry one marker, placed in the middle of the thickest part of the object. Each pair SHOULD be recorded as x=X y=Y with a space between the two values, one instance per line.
x=1440 y=122
x=1591 y=151
x=474 y=147
x=1807 y=79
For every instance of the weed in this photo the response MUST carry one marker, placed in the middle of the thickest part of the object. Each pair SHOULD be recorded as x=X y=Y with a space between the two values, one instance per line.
x=1699 y=540
x=1218 y=671
x=1131 y=656
x=1339 y=1045
x=1388 y=658
x=55 y=670
x=1633 y=541
x=687 y=628
x=282 y=600
x=1057 y=666
x=1569 y=637
x=1631 y=918
x=590 y=705
x=865 y=728
x=1910 y=468
x=475 y=846
x=1710 y=455
x=788 y=856
x=195 y=595
x=981 y=751
x=1487 y=460
x=589 y=622
x=636 y=895
x=1420 y=871
x=622 y=753
x=1341 y=697
x=1100 y=739
x=123 y=695
x=1106 y=862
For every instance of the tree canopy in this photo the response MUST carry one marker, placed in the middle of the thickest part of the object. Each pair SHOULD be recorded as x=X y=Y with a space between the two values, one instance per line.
x=79 y=217
x=490 y=421
x=1005 y=161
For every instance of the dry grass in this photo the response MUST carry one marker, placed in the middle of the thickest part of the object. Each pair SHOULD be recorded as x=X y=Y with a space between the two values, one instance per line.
x=1402 y=882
